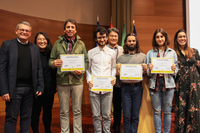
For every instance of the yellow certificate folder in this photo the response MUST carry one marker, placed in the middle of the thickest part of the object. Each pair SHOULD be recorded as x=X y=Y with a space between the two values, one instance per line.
x=162 y=65
x=131 y=72
x=102 y=83
x=72 y=62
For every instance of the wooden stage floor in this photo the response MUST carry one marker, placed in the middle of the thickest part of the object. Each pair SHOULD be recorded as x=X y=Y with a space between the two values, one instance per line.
x=86 y=121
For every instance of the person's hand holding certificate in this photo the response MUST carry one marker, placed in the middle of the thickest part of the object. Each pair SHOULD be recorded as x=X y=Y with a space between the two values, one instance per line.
x=162 y=65
x=102 y=83
x=72 y=62
x=131 y=72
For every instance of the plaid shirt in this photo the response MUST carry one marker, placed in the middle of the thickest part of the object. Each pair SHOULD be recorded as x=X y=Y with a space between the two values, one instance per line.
x=158 y=77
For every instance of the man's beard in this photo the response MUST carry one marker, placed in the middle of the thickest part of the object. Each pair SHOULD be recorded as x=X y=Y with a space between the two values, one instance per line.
x=131 y=48
x=102 y=44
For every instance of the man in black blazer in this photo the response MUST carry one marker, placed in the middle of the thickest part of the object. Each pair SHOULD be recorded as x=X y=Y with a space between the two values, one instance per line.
x=21 y=78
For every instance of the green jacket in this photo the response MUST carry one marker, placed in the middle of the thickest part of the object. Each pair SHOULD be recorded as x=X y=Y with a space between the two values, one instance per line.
x=68 y=78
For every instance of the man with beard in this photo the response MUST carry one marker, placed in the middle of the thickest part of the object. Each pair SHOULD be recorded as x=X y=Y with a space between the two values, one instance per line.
x=70 y=83
x=21 y=78
x=131 y=89
x=113 y=35
x=101 y=63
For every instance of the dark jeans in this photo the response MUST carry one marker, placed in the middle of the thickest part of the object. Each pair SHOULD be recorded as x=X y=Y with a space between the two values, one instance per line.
x=131 y=98
x=22 y=102
x=117 y=104
x=45 y=102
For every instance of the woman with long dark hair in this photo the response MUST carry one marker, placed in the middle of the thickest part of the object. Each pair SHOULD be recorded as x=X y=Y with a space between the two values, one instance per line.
x=187 y=108
x=161 y=85
x=46 y=100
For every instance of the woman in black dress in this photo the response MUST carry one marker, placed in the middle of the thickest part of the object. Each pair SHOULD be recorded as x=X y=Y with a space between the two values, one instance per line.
x=46 y=100
x=187 y=86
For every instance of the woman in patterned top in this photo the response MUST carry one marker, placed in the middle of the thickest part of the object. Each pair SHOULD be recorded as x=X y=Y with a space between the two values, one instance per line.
x=187 y=86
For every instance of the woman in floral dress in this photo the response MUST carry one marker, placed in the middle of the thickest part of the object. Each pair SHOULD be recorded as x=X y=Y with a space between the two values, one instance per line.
x=187 y=86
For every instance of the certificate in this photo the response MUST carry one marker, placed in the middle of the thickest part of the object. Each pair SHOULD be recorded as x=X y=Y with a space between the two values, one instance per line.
x=131 y=72
x=102 y=83
x=162 y=65
x=72 y=62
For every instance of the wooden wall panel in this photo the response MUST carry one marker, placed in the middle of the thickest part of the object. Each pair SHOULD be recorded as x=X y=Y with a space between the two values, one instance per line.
x=150 y=15
x=9 y=20
x=146 y=26
x=169 y=8
x=8 y=24
x=143 y=7
x=53 y=28
x=158 y=7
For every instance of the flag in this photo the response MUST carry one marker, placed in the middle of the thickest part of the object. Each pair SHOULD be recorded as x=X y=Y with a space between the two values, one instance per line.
x=111 y=25
x=123 y=35
x=97 y=24
x=134 y=30
x=96 y=44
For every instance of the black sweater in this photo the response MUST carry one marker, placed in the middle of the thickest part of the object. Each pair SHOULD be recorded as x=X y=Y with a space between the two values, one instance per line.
x=24 y=66
x=49 y=74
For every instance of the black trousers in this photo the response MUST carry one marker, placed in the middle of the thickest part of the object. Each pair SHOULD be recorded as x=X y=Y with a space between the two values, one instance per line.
x=117 y=104
x=45 y=102
x=22 y=102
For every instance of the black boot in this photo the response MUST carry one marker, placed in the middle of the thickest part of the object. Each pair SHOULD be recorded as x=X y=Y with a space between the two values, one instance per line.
x=117 y=129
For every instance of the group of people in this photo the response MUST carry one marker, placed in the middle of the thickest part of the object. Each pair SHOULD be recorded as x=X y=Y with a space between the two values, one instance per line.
x=30 y=74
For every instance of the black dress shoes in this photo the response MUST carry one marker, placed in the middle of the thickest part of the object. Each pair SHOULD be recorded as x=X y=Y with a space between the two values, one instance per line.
x=117 y=129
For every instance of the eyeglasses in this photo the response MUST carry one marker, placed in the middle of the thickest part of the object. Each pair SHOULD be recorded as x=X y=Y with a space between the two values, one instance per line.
x=41 y=39
x=103 y=37
x=23 y=30
x=113 y=36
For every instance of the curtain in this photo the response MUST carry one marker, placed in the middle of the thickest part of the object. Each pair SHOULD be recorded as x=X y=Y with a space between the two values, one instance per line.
x=122 y=13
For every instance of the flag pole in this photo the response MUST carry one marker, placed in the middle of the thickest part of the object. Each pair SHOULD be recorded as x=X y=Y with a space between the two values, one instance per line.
x=124 y=13
x=134 y=29
x=96 y=44
x=97 y=18
x=133 y=24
